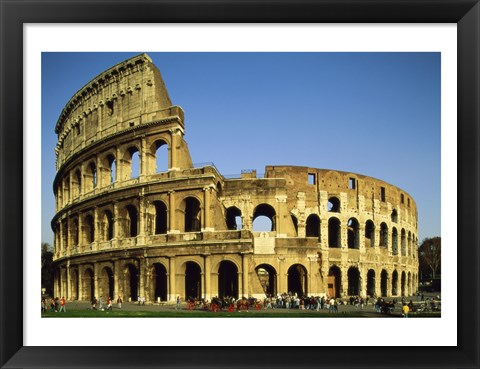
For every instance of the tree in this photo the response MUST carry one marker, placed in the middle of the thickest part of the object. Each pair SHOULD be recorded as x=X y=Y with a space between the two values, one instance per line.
x=47 y=270
x=430 y=255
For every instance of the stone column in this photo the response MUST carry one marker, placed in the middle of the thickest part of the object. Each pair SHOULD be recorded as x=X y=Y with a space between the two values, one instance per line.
x=245 y=268
x=143 y=157
x=60 y=243
x=171 y=212
x=96 y=229
x=378 y=279
x=172 y=149
x=141 y=218
x=118 y=164
x=389 y=284
x=80 y=232
x=69 y=236
x=207 y=268
x=141 y=276
x=172 y=279
x=80 y=283
x=361 y=237
x=116 y=221
x=206 y=209
x=99 y=172
x=282 y=276
x=68 y=292
x=95 y=280
x=116 y=279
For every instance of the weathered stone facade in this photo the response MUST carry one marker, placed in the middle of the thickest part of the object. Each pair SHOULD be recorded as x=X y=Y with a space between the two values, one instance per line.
x=130 y=230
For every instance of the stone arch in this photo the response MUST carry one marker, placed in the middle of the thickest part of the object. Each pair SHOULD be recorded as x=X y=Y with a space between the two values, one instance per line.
x=369 y=234
x=312 y=227
x=105 y=283
x=131 y=221
x=131 y=282
x=234 y=218
x=403 y=283
x=227 y=279
x=333 y=204
x=267 y=276
x=107 y=225
x=353 y=275
x=383 y=235
x=75 y=232
x=161 y=217
x=353 y=233
x=88 y=284
x=394 y=241
x=297 y=280
x=89 y=229
x=395 y=283
x=193 y=280
x=384 y=283
x=160 y=151
x=192 y=214
x=131 y=166
x=334 y=281
x=371 y=290
x=334 y=232
x=268 y=212
x=159 y=282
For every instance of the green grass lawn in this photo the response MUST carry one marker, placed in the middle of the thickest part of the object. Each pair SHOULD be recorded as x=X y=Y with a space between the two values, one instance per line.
x=208 y=314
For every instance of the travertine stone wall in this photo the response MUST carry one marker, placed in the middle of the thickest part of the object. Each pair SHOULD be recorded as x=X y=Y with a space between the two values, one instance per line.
x=126 y=227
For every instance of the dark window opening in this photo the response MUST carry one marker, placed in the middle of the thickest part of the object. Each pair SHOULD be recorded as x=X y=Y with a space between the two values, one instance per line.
x=192 y=215
x=394 y=241
x=334 y=233
x=109 y=105
x=383 y=235
x=352 y=183
x=311 y=179
x=313 y=226
x=394 y=216
x=193 y=284
x=402 y=198
x=228 y=280
x=268 y=279
x=353 y=234
x=264 y=218
x=334 y=281
x=160 y=217
x=382 y=194
x=297 y=280
x=353 y=281
x=234 y=218
x=132 y=220
x=333 y=205
x=395 y=283
x=369 y=234
x=295 y=224
x=90 y=229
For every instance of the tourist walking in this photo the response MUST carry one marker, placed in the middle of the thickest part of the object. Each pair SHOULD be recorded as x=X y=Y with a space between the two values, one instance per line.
x=178 y=303
x=119 y=302
x=62 y=305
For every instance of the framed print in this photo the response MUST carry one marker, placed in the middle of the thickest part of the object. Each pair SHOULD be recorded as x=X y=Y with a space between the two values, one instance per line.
x=32 y=31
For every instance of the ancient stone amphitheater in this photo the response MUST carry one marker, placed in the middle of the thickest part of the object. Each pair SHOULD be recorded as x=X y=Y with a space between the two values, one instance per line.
x=128 y=225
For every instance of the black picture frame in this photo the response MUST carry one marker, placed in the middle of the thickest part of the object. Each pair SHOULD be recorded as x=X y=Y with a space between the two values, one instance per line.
x=465 y=13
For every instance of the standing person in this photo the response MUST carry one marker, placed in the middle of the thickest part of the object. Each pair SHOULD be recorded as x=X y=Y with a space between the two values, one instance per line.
x=44 y=305
x=119 y=302
x=109 y=303
x=100 y=303
x=405 y=310
x=178 y=303
x=62 y=305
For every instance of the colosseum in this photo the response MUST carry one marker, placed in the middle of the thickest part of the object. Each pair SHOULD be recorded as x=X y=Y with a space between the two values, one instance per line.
x=126 y=225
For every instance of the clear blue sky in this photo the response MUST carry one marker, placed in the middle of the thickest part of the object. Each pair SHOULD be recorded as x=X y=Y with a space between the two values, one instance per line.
x=376 y=114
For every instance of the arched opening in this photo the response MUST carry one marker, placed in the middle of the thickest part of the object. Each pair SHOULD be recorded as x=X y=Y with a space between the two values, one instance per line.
x=334 y=281
x=192 y=215
x=89 y=229
x=268 y=279
x=395 y=283
x=371 y=283
x=105 y=284
x=264 y=218
x=159 y=282
x=90 y=177
x=234 y=218
x=193 y=286
x=161 y=156
x=160 y=217
x=353 y=234
x=77 y=184
x=88 y=285
x=333 y=205
x=131 y=221
x=227 y=280
x=131 y=282
x=403 y=283
x=334 y=233
x=297 y=280
x=353 y=281
x=75 y=232
x=383 y=235
x=107 y=225
x=312 y=228
x=295 y=223
x=394 y=241
x=384 y=283
x=135 y=173
x=369 y=234
x=112 y=165
x=74 y=285
x=394 y=216
x=403 y=242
